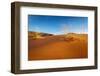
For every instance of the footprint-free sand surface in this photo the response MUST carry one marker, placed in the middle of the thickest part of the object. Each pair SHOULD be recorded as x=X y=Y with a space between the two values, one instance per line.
x=71 y=46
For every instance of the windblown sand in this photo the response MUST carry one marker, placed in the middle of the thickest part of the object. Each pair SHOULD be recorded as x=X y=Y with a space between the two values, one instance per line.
x=71 y=46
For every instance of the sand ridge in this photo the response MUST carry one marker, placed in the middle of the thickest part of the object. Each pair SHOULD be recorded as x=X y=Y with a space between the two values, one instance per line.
x=58 y=47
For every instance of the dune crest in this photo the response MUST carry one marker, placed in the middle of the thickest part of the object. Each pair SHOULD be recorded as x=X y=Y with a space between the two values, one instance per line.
x=50 y=47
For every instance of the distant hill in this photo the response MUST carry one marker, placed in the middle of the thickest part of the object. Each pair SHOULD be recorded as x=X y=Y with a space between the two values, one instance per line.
x=32 y=33
x=75 y=35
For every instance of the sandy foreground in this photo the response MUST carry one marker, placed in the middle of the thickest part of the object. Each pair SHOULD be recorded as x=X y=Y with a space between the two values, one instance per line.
x=58 y=47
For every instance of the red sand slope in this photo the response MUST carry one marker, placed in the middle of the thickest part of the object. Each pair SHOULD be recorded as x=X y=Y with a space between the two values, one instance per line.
x=58 y=47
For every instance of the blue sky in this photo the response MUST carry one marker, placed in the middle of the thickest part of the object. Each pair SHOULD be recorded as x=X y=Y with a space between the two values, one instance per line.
x=57 y=24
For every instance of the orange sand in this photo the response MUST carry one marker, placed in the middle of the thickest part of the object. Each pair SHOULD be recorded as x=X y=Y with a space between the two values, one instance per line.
x=58 y=47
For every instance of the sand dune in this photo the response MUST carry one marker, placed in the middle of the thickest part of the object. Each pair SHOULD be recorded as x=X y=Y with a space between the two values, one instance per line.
x=58 y=47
